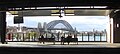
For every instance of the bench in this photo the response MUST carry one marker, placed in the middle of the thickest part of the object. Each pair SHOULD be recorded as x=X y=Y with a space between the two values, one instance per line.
x=71 y=40
x=47 y=40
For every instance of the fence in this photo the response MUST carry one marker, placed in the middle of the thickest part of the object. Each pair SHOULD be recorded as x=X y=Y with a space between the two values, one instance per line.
x=28 y=37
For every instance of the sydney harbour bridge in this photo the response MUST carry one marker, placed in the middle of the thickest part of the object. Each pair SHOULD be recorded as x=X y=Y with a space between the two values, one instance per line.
x=51 y=26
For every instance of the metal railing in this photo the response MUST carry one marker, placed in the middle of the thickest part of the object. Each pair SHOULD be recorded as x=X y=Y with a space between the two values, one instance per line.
x=27 y=37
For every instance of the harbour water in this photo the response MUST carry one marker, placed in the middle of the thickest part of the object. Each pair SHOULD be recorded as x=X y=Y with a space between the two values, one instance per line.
x=91 y=38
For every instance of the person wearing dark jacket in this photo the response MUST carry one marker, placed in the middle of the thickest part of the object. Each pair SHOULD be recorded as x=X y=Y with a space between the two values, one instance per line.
x=42 y=39
x=69 y=38
x=62 y=40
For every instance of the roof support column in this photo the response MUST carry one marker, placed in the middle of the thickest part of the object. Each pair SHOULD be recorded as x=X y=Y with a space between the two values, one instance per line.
x=116 y=26
x=2 y=25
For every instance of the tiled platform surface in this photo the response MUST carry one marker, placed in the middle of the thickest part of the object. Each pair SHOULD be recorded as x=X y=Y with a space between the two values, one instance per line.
x=58 y=45
x=49 y=48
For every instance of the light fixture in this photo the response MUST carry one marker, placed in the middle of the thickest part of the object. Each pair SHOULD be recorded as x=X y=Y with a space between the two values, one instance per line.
x=116 y=10
x=69 y=14
x=55 y=14
x=61 y=13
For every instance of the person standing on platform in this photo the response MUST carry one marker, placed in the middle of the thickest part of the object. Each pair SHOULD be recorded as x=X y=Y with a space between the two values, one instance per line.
x=42 y=39
x=9 y=36
x=62 y=40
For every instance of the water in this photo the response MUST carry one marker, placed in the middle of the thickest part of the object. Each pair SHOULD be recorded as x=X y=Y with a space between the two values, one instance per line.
x=91 y=38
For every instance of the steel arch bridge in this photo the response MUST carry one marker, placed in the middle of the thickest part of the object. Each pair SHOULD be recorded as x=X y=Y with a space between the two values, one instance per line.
x=52 y=24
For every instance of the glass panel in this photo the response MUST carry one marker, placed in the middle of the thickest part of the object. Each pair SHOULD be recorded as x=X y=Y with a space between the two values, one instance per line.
x=79 y=38
x=85 y=38
x=103 y=38
x=91 y=38
x=97 y=38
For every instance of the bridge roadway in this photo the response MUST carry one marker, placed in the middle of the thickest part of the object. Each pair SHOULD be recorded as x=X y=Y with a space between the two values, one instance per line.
x=57 y=29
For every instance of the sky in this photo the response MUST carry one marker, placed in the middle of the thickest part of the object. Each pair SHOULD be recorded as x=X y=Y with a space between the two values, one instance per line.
x=81 y=23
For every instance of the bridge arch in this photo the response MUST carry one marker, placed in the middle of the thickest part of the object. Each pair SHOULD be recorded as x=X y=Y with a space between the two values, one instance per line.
x=52 y=24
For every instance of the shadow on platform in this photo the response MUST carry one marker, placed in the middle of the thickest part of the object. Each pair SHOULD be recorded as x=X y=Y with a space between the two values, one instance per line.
x=35 y=48
x=27 y=50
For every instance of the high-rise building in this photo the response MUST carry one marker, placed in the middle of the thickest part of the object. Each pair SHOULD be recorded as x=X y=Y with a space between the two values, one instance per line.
x=39 y=25
x=45 y=26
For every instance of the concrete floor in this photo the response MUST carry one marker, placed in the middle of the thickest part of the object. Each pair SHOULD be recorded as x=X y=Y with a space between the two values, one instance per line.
x=58 y=45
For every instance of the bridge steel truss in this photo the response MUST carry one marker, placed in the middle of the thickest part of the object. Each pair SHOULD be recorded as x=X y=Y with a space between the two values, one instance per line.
x=52 y=24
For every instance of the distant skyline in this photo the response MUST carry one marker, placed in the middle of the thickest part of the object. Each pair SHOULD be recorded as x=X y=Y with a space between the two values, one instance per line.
x=82 y=23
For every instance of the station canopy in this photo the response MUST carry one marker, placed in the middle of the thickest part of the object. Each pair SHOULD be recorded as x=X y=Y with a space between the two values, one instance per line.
x=67 y=11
